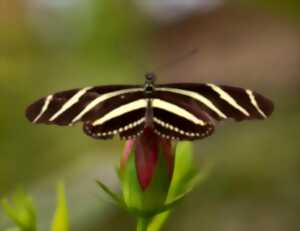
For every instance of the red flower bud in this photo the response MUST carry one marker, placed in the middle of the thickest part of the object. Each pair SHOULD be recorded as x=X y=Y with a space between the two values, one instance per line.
x=147 y=148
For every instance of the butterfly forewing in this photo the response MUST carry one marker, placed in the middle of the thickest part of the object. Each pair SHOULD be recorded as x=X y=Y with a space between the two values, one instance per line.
x=90 y=105
x=220 y=102
x=86 y=104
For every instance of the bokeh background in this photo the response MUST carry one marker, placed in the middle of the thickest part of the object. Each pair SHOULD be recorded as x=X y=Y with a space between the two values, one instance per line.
x=52 y=45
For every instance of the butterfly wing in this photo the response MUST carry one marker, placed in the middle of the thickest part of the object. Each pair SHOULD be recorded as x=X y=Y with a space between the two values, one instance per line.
x=127 y=120
x=174 y=121
x=219 y=102
x=88 y=105
x=187 y=104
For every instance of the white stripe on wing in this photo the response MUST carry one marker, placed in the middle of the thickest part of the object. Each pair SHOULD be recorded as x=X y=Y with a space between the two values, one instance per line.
x=254 y=103
x=174 y=109
x=225 y=96
x=197 y=96
x=102 y=98
x=119 y=111
x=73 y=100
x=44 y=108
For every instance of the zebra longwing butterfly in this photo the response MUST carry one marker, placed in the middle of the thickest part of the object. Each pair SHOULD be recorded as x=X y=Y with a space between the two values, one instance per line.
x=180 y=111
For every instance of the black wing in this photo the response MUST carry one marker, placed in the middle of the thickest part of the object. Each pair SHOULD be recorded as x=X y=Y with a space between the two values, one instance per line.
x=174 y=121
x=219 y=102
x=207 y=102
x=88 y=105
x=127 y=120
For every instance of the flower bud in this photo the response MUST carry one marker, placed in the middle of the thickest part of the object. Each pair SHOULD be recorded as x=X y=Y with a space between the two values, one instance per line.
x=146 y=171
x=153 y=178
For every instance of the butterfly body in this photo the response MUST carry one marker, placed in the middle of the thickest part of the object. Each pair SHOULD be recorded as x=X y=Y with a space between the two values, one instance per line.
x=179 y=111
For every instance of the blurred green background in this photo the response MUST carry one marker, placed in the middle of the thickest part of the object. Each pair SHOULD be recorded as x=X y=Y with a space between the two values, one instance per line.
x=52 y=45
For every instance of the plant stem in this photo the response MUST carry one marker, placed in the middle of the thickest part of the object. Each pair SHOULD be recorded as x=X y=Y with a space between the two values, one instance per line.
x=142 y=224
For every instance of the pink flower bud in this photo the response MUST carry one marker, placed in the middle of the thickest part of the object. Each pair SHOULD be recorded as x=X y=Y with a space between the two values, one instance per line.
x=127 y=150
x=147 y=148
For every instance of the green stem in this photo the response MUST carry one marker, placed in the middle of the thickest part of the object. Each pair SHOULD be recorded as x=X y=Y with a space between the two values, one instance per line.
x=142 y=224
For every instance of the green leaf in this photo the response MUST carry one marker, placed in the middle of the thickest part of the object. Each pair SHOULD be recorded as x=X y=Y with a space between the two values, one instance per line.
x=158 y=221
x=142 y=223
x=132 y=193
x=22 y=213
x=156 y=194
x=111 y=194
x=184 y=169
x=61 y=219
x=186 y=175
x=190 y=184
x=152 y=200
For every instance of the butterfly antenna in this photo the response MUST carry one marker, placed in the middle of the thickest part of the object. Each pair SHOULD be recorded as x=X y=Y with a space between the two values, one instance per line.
x=179 y=60
x=131 y=59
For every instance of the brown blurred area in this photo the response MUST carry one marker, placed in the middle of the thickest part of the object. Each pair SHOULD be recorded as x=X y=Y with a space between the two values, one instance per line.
x=234 y=46
x=13 y=27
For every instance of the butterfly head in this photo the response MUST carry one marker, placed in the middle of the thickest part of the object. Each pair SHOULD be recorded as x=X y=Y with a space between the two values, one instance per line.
x=150 y=78
x=149 y=83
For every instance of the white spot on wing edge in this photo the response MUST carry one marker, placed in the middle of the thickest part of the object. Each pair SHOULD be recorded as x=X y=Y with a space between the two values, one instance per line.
x=166 y=125
x=44 y=108
x=224 y=95
x=254 y=103
x=117 y=131
x=181 y=132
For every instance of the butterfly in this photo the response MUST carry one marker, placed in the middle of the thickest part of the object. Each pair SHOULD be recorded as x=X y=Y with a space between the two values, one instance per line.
x=177 y=111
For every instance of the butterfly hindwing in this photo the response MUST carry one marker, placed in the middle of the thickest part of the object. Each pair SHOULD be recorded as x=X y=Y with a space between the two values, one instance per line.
x=127 y=124
x=173 y=121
